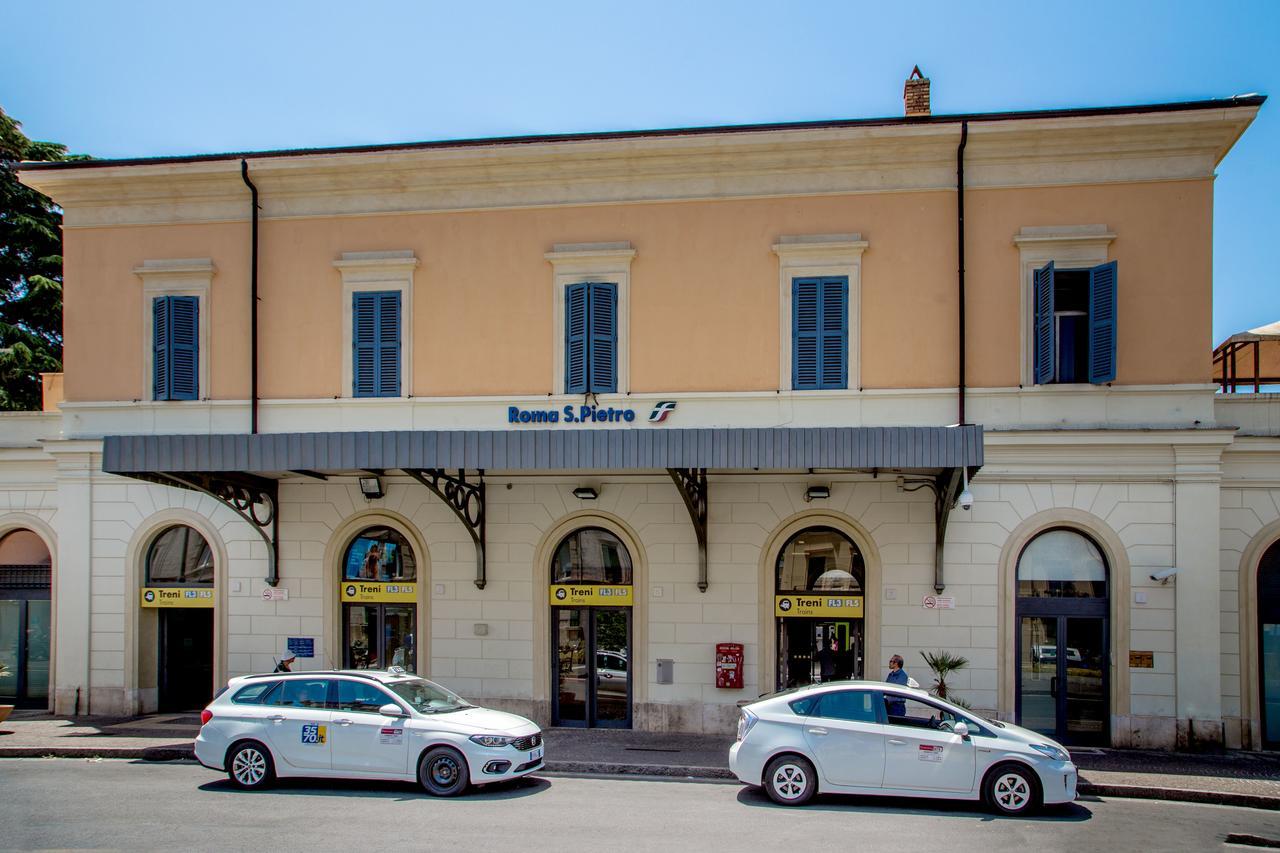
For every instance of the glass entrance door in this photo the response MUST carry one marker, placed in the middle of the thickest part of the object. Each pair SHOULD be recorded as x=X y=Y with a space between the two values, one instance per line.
x=815 y=650
x=591 y=681
x=186 y=658
x=378 y=636
x=1062 y=683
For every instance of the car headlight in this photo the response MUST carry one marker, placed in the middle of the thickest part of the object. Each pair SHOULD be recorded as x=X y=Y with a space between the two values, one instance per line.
x=745 y=722
x=492 y=740
x=1051 y=751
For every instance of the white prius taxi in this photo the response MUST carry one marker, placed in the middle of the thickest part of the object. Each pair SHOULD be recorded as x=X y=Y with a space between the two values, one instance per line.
x=868 y=737
x=362 y=724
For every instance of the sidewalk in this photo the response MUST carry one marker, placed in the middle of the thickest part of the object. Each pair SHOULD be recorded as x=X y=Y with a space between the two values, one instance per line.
x=1233 y=778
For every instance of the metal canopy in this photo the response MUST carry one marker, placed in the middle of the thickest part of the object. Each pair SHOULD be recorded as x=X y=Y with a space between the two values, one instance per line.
x=221 y=465
x=780 y=448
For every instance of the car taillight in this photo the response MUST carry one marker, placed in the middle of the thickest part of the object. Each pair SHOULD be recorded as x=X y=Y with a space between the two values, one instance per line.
x=205 y=716
x=745 y=722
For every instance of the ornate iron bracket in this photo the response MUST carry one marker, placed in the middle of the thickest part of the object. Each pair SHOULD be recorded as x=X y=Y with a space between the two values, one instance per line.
x=945 y=487
x=692 y=485
x=467 y=502
x=255 y=499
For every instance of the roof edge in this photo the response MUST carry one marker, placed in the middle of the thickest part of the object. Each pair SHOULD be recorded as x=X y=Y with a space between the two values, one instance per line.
x=1237 y=101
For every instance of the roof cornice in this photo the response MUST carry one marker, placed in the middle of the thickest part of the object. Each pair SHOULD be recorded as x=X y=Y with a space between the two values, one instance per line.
x=1079 y=147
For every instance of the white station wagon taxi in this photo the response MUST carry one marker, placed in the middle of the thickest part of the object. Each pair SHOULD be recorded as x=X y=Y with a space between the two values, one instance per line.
x=362 y=724
x=868 y=737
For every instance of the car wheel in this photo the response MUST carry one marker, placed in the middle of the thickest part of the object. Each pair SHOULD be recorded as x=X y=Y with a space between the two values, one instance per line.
x=443 y=772
x=790 y=780
x=1012 y=789
x=249 y=765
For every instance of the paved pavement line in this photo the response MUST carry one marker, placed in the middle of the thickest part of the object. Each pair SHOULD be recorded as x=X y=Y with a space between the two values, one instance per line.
x=1180 y=795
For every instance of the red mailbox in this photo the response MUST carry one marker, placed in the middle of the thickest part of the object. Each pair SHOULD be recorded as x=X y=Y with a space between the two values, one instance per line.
x=729 y=665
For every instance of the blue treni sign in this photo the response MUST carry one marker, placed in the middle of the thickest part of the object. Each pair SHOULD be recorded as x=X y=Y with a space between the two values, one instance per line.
x=586 y=414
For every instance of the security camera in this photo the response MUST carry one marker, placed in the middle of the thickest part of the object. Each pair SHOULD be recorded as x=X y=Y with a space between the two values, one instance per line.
x=966 y=499
x=1163 y=575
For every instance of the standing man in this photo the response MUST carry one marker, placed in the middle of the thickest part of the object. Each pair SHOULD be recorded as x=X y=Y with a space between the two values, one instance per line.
x=897 y=675
x=286 y=661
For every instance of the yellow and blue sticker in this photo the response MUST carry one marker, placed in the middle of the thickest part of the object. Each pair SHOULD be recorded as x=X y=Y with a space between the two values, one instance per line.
x=313 y=734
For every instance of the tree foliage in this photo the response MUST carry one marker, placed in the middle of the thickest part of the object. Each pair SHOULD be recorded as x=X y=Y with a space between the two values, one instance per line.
x=30 y=272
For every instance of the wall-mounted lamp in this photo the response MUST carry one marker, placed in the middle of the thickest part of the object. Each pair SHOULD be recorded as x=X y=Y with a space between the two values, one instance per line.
x=371 y=488
x=585 y=493
x=817 y=493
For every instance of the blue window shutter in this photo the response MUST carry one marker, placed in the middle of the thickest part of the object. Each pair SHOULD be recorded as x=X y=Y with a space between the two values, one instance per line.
x=805 y=332
x=1102 y=323
x=575 y=339
x=388 y=361
x=364 y=345
x=602 y=373
x=834 y=349
x=160 y=348
x=184 y=348
x=1042 y=332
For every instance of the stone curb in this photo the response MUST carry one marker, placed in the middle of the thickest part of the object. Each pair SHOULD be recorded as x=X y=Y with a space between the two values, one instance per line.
x=180 y=752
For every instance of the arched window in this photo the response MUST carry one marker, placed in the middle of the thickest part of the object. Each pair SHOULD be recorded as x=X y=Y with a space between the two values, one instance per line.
x=591 y=555
x=820 y=559
x=380 y=554
x=1062 y=564
x=180 y=555
x=1269 y=643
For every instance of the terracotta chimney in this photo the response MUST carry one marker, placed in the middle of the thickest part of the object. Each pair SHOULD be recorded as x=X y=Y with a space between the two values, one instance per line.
x=915 y=94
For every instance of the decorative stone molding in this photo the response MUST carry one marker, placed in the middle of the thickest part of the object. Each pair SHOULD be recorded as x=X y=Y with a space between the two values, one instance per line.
x=819 y=255
x=176 y=277
x=369 y=271
x=602 y=262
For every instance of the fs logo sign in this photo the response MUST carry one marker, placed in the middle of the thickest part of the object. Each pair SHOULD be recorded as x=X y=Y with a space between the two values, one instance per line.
x=661 y=411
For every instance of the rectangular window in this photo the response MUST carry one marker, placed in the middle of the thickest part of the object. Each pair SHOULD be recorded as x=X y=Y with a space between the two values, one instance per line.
x=1075 y=324
x=591 y=338
x=375 y=343
x=175 y=332
x=820 y=333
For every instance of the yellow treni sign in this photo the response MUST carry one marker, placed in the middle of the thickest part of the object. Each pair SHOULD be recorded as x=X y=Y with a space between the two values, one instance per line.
x=175 y=596
x=379 y=593
x=839 y=606
x=590 y=595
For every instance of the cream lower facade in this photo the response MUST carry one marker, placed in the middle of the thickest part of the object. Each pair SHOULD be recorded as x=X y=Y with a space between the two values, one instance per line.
x=1205 y=500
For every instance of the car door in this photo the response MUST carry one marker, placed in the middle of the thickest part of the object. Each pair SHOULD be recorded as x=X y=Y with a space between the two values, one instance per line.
x=365 y=740
x=298 y=723
x=845 y=736
x=920 y=752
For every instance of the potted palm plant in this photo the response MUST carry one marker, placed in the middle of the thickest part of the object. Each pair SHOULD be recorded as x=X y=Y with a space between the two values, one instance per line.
x=5 y=710
x=943 y=665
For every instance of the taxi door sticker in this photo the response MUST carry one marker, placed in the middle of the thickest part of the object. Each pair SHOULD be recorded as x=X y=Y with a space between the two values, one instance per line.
x=929 y=752
x=391 y=736
x=313 y=734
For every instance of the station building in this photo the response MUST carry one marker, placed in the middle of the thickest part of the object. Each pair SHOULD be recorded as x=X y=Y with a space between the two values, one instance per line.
x=551 y=420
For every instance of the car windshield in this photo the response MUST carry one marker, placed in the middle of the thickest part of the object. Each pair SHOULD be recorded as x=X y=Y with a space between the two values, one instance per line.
x=426 y=697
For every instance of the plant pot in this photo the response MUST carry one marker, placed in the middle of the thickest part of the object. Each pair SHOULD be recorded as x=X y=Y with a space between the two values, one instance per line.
x=5 y=710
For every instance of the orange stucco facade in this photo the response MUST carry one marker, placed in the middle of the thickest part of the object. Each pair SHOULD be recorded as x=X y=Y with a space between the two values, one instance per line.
x=704 y=283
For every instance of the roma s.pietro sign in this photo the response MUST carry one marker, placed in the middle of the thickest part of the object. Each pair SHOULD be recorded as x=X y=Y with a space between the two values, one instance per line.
x=578 y=415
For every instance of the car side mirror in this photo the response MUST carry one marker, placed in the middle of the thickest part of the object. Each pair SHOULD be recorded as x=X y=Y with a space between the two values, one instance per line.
x=391 y=709
x=961 y=729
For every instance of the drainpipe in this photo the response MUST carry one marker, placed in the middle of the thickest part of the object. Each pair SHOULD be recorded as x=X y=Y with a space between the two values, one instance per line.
x=964 y=139
x=253 y=298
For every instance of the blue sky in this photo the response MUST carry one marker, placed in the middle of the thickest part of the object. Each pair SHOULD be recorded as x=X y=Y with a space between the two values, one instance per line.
x=128 y=79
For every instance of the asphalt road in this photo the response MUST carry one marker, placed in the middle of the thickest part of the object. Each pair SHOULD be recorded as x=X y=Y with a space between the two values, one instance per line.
x=76 y=803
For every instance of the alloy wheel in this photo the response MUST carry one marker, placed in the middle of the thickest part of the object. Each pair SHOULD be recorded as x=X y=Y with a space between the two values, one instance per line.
x=1012 y=792
x=249 y=767
x=790 y=781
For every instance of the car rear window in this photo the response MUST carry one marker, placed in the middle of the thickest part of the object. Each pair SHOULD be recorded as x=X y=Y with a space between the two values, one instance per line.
x=254 y=693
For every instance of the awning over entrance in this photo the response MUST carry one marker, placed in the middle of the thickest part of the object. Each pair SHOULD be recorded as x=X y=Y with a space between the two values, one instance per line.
x=782 y=448
x=242 y=471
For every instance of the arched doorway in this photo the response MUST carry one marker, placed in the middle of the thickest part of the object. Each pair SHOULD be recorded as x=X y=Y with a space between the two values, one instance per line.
x=1063 y=687
x=25 y=624
x=591 y=596
x=379 y=595
x=819 y=584
x=179 y=589
x=1269 y=644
